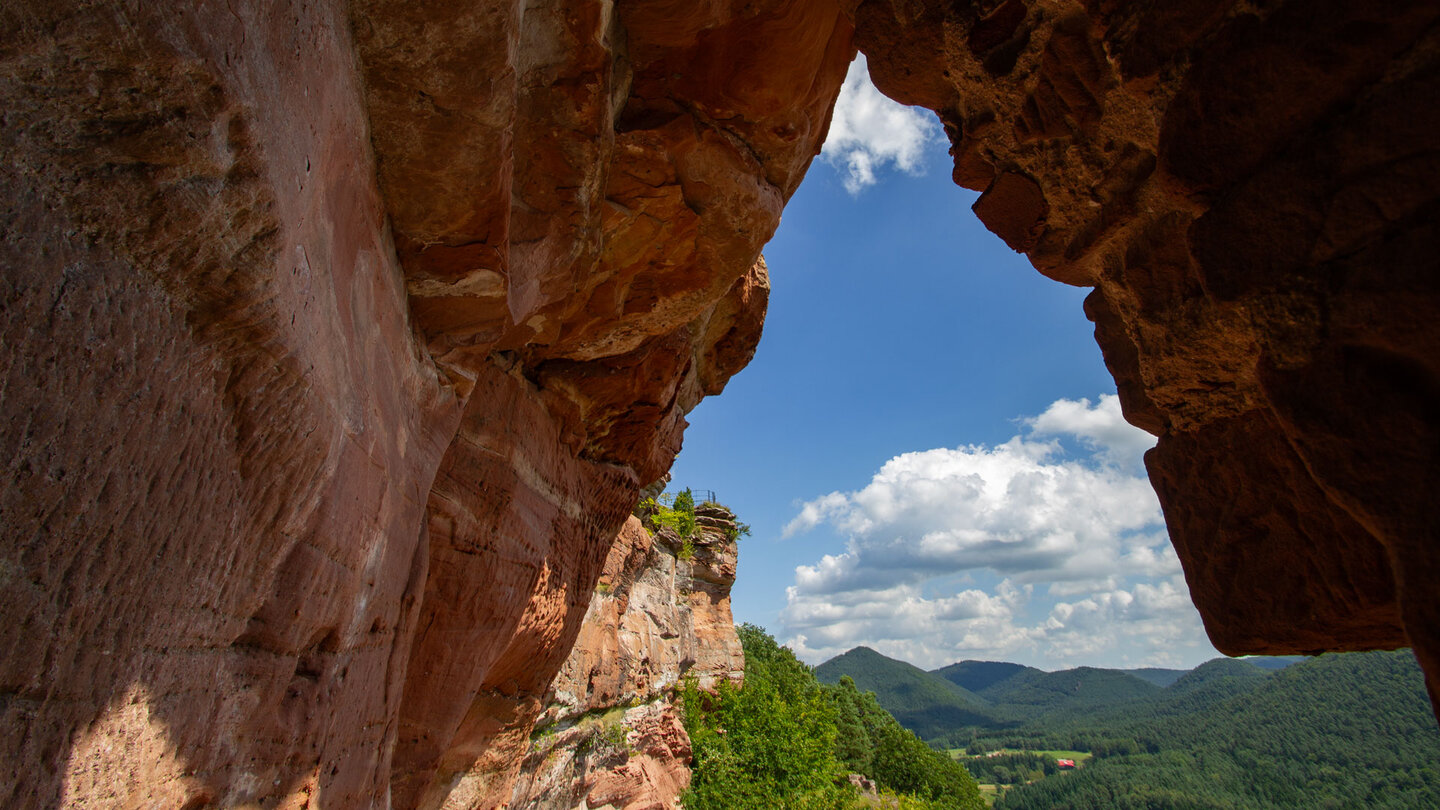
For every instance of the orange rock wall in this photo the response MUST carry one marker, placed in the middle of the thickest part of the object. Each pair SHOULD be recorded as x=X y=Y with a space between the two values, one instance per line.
x=1251 y=188
x=339 y=338
x=219 y=435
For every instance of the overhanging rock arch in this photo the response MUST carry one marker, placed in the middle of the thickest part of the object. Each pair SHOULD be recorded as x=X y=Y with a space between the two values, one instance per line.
x=340 y=336
x=1251 y=189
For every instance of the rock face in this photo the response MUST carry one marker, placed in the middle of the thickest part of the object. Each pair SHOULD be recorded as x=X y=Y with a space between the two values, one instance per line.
x=610 y=733
x=1251 y=188
x=340 y=336
x=219 y=435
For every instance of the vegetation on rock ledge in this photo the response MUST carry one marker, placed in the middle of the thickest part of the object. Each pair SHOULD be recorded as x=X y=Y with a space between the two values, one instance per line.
x=674 y=512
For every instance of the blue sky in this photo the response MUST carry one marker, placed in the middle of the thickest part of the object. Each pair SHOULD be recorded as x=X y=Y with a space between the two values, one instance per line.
x=927 y=446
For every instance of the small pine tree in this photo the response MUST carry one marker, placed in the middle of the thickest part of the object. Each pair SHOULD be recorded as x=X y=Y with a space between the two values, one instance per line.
x=685 y=506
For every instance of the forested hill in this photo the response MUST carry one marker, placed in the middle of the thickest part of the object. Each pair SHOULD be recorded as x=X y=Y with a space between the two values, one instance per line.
x=1339 y=730
x=1156 y=675
x=978 y=675
x=1033 y=694
x=990 y=695
x=923 y=702
x=1346 y=730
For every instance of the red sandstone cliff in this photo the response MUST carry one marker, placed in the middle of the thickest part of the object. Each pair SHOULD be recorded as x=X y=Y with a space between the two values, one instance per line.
x=610 y=733
x=339 y=337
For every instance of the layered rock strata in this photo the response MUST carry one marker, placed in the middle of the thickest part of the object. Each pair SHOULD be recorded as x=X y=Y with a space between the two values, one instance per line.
x=339 y=338
x=1252 y=188
x=611 y=734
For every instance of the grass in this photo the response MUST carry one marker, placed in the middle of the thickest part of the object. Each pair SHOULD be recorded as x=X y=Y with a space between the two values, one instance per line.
x=990 y=793
x=1078 y=756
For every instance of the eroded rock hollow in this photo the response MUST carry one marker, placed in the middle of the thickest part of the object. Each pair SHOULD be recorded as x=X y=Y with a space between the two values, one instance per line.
x=339 y=337
x=1251 y=188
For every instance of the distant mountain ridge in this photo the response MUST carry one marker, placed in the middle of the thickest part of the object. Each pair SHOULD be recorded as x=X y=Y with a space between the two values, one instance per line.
x=923 y=702
x=1030 y=693
x=980 y=675
x=1274 y=661
x=997 y=694
x=1156 y=675
x=1271 y=733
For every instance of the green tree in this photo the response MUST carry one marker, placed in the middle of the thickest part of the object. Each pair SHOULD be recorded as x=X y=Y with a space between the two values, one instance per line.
x=675 y=512
x=685 y=510
x=784 y=740
x=893 y=756
x=769 y=744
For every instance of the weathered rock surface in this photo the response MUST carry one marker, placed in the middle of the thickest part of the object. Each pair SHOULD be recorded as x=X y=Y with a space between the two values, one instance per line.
x=339 y=337
x=610 y=734
x=219 y=435
x=1252 y=190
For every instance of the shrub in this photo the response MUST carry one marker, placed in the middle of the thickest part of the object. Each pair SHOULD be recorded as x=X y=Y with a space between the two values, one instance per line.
x=676 y=513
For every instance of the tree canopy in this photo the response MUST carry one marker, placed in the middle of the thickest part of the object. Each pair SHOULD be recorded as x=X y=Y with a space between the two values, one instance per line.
x=784 y=740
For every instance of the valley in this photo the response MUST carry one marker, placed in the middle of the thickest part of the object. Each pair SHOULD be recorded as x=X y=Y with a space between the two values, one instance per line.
x=1338 y=730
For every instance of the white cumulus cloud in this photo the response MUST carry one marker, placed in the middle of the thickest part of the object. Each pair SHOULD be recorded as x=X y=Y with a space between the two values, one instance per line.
x=1018 y=509
x=1159 y=612
x=901 y=623
x=869 y=131
x=1077 y=544
x=1102 y=428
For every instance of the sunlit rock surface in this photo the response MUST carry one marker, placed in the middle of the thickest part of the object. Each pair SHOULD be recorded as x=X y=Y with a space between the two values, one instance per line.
x=610 y=732
x=340 y=337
